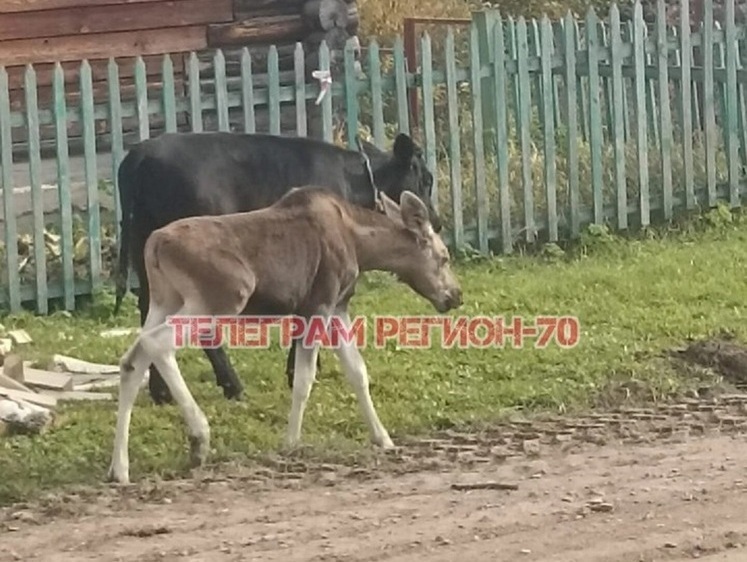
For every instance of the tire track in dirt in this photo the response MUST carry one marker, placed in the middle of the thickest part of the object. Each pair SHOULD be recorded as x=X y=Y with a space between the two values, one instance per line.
x=629 y=485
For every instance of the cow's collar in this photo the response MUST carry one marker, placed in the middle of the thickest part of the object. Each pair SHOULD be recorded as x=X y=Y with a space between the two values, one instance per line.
x=378 y=202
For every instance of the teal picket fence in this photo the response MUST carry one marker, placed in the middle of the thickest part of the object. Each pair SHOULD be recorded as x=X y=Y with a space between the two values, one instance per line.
x=533 y=129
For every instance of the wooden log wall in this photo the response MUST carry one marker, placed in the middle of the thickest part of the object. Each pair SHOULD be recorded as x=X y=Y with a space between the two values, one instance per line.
x=258 y=24
x=44 y=31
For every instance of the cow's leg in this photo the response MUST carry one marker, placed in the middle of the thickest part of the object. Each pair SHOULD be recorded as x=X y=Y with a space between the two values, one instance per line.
x=290 y=363
x=225 y=376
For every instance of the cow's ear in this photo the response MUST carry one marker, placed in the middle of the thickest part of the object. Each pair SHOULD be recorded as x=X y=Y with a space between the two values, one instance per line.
x=371 y=150
x=404 y=149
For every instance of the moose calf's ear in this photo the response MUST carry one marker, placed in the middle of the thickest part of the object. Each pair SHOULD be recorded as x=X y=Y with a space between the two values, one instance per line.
x=404 y=149
x=389 y=207
x=414 y=212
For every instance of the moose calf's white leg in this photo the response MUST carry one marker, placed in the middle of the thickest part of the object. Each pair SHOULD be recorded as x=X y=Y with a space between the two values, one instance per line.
x=303 y=379
x=163 y=355
x=357 y=374
x=132 y=369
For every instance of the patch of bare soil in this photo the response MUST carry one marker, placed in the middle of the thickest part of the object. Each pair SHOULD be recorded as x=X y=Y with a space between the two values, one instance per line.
x=724 y=355
x=630 y=485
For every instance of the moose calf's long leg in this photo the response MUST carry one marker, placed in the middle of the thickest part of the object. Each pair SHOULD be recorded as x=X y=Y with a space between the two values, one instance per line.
x=131 y=372
x=305 y=372
x=225 y=375
x=161 y=347
x=132 y=369
x=357 y=375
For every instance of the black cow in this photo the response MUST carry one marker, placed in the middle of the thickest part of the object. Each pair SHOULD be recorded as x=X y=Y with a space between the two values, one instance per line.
x=179 y=175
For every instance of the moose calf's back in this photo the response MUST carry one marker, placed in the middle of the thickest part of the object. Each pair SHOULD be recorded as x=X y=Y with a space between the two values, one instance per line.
x=274 y=254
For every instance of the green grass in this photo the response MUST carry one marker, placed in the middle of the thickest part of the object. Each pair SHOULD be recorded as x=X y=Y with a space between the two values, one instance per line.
x=633 y=298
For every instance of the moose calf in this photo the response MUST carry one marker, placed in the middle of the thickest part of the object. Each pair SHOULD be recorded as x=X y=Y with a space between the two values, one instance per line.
x=301 y=256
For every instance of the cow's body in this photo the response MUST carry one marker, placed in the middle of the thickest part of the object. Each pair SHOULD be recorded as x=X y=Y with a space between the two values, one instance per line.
x=179 y=175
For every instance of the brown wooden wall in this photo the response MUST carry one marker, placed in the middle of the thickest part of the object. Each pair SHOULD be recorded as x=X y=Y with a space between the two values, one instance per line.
x=44 y=31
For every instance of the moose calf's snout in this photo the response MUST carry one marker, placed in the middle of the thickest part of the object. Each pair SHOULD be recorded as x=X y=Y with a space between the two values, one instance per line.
x=454 y=297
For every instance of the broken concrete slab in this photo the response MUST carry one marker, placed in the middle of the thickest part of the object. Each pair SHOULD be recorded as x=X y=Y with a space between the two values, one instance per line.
x=18 y=416
x=13 y=367
x=47 y=379
x=111 y=383
x=20 y=336
x=82 y=378
x=7 y=382
x=62 y=396
x=19 y=404
x=30 y=397
x=6 y=346
x=73 y=365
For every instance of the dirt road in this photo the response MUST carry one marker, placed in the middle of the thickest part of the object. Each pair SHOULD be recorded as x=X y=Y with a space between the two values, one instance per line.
x=626 y=486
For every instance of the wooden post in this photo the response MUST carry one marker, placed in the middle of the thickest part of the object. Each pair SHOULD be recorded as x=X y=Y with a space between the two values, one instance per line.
x=696 y=21
x=412 y=58
x=485 y=22
x=412 y=64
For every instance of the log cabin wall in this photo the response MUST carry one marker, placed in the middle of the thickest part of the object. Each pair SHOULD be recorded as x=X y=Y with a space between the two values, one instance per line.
x=42 y=32
x=257 y=24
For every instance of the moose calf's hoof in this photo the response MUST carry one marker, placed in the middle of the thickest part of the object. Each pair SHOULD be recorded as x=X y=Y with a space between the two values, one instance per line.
x=290 y=446
x=384 y=442
x=198 y=450
x=117 y=476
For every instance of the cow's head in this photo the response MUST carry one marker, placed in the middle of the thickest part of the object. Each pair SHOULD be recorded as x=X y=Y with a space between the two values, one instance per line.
x=403 y=169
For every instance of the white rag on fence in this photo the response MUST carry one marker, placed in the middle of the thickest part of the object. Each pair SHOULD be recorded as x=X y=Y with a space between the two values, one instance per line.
x=325 y=83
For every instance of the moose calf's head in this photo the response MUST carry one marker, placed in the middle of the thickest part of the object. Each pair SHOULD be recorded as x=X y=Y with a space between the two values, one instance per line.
x=425 y=263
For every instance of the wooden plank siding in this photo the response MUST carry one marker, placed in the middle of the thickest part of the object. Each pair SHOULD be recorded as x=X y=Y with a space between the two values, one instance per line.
x=99 y=69
x=46 y=32
x=15 y=6
x=43 y=32
x=96 y=45
x=77 y=22
x=100 y=89
x=263 y=30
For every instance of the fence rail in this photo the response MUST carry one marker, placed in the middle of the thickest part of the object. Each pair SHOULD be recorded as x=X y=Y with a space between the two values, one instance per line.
x=534 y=129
